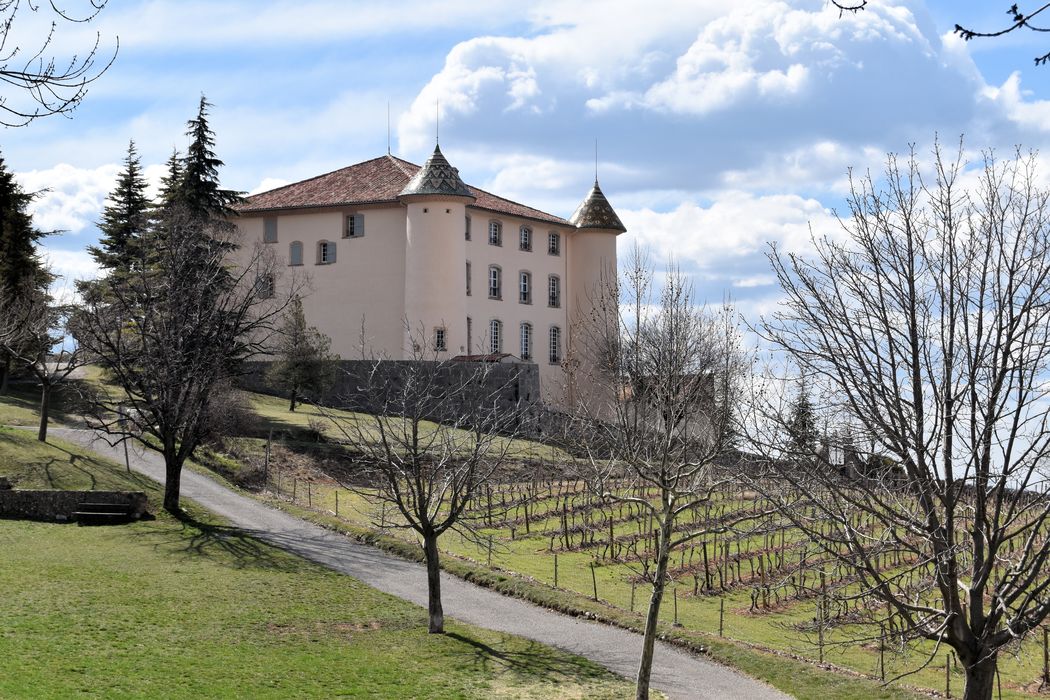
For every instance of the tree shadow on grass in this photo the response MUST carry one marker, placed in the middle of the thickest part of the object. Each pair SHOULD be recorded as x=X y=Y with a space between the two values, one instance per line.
x=221 y=544
x=536 y=662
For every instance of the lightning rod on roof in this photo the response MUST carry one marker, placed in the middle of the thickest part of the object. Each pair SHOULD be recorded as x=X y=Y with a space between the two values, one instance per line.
x=388 y=127
x=437 y=122
x=596 y=160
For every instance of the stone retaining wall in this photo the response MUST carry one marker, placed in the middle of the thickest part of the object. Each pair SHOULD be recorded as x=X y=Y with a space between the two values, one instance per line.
x=61 y=505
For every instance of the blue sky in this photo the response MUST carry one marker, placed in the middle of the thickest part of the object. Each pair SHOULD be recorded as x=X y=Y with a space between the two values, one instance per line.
x=721 y=125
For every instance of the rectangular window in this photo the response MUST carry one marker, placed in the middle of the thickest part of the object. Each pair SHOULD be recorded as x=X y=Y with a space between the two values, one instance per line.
x=555 y=354
x=264 y=287
x=470 y=335
x=495 y=283
x=466 y=229
x=525 y=239
x=526 y=341
x=468 y=278
x=439 y=340
x=495 y=337
x=525 y=288
x=553 y=291
x=495 y=233
x=270 y=229
x=355 y=226
x=325 y=253
x=553 y=243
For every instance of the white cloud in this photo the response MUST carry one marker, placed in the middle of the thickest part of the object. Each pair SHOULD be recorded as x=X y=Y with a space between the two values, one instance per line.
x=69 y=198
x=70 y=265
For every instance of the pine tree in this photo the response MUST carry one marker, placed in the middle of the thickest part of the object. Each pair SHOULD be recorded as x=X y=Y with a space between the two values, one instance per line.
x=304 y=362
x=172 y=181
x=23 y=275
x=802 y=426
x=125 y=221
x=200 y=191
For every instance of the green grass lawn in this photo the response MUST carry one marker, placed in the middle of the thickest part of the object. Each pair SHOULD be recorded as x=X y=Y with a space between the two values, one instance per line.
x=167 y=609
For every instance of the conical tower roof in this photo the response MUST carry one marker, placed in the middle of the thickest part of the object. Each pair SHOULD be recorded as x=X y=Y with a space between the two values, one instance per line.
x=437 y=176
x=596 y=212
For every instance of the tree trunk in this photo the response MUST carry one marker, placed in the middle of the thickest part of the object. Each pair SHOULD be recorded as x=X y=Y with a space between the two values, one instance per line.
x=980 y=679
x=652 y=618
x=45 y=406
x=5 y=372
x=172 y=485
x=437 y=615
x=295 y=396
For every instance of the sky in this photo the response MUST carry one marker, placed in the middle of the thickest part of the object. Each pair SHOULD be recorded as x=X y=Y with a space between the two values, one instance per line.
x=721 y=126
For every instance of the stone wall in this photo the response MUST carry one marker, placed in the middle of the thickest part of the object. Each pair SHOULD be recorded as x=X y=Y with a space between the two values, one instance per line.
x=61 y=505
x=509 y=386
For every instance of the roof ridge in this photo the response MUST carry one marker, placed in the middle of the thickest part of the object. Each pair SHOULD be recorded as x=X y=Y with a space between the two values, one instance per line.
x=333 y=172
x=526 y=206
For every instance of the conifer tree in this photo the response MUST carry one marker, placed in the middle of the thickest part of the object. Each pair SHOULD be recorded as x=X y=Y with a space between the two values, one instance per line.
x=200 y=191
x=23 y=275
x=172 y=180
x=125 y=220
x=802 y=426
x=304 y=363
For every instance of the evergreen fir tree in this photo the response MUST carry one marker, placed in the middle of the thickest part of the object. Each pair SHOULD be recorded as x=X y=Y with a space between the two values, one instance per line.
x=304 y=363
x=802 y=426
x=200 y=191
x=23 y=275
x=125 y=221
x=172 y=181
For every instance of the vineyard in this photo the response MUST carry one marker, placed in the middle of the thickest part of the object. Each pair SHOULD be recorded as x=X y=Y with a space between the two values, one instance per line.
x=762 y=582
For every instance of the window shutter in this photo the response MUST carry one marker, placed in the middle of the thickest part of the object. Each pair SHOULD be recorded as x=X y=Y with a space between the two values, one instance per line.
x=359 y=225
x=269 y=230
x=331 y=252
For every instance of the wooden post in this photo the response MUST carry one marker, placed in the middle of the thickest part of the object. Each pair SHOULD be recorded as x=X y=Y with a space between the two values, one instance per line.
x=721 y=615
x=490 y=551
x=266 y=461
x=947 y=676
x=633 y=585
x=594 y=583
x=309 y=494
x=337 y=501
x=676 y=622
x=295 y=488
x=127 y=460
x=1046 y=661
x=555 y=569
x=882 y=653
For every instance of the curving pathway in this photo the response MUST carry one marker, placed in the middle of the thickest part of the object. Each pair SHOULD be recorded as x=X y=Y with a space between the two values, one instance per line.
x=677 y=673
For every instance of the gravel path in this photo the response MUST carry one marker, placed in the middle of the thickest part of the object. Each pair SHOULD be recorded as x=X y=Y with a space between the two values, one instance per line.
x=675 y=672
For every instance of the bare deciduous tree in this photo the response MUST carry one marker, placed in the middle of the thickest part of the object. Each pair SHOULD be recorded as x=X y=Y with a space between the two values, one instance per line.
x=928 y=332
x=434 y=433
x=669 y=371
x=39 y=83
x=42 y=324
x=174 y=331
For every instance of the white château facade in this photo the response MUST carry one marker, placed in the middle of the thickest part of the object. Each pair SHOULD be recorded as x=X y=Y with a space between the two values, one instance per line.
x=386 y=241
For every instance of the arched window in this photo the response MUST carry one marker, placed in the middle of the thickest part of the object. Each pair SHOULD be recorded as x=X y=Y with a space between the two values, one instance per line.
x=526 y=341
x=525 y=287
x=553 y=291
x=325 y=253
x=555 y=345
x=495 y=233
x=495 y=336
x=495 y=282
x=295 y=253
x=525 y=238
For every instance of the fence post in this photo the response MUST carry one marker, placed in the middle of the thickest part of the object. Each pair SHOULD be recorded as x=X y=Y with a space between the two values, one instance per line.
x=337 y=501
x=676 y=622
x=633 y=585
x=266 y=462
x=555 y=569
x=489 y=559
x=295 y=488
x=947 y=676
x=721 y=615
x=594 y=583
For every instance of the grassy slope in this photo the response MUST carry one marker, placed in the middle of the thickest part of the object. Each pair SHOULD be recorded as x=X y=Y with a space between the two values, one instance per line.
x=164 y=608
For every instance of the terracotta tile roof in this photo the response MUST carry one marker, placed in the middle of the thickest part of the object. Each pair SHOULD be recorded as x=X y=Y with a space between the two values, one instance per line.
x=375 y=181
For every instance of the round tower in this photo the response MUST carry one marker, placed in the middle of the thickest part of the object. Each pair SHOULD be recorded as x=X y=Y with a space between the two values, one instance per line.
x=435 y=255
x=591 y=271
